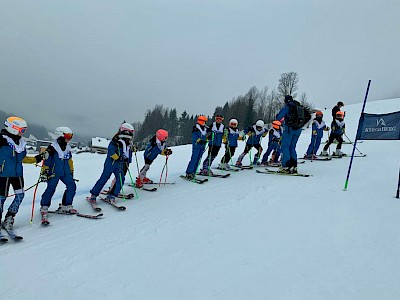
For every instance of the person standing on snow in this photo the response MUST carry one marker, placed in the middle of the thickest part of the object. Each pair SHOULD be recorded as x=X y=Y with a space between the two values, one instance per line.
x=318 y=128
x=274 y=143
x=217 y=132
x=156 y=146
x=199 y=141
x=293 y=116
x=336 y=108
x=230 y=138
x=58 y=165
x=119 y=156
x=12 y=155
x=337 y=131
x=254 y=133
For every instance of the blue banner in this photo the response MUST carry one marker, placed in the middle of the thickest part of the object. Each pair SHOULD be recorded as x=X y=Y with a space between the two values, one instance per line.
x=379 y=127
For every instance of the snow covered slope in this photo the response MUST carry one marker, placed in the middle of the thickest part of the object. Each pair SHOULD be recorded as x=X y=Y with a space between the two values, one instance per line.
x=250 y=236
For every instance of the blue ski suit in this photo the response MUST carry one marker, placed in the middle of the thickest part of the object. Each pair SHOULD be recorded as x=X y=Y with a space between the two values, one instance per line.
x=119 y=154
x=199 y=141
x=274 y=141
x=59 y=167
x=290 y=136
x=317 y=133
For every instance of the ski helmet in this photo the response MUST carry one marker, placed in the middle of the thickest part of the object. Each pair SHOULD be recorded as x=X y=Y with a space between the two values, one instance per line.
x=319 y=114
x=340 y=115
x=161 y=135
x=260 y=123
x=276 y=124
x=219 y=117
x=202 y=120
x=15 y=125
x=233 y=123
x=64 y=132
x=126 y=130
x=340 y=103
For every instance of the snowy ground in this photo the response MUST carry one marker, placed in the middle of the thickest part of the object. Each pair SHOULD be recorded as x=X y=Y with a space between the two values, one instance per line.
x=250 y=236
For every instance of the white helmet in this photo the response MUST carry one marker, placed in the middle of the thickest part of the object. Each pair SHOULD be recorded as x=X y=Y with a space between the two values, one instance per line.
x=15 y=125
x=126 y=131
x=260 y=123
x=63 y=131
x=233 y=122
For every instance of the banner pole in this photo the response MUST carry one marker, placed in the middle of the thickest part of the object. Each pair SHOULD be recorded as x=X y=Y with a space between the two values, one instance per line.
x=355 y=140
x=398 y=186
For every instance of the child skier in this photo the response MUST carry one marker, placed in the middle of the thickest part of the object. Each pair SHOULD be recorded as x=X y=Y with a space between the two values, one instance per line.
x=199 y=141
x=337 y=131
x=12 y=155
x=217 y=132
x=119 y=156
x=155 y=147
x=230 y=140
x=318 y=128
x=254 y=133
x=274 y=143
x=58 y=166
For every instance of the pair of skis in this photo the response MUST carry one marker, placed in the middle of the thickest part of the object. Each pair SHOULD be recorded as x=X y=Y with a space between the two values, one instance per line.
x=112 y=203
x=274 y=172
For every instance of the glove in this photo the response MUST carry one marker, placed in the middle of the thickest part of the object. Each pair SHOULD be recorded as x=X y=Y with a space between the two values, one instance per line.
x=264 y=134
x=224 y=139
x=44 y=175
x=201 y=142
x=327 y=128
x=314 y=132
x=42 y=156
x=167 y=151
x=115 y=156
x=134 y=149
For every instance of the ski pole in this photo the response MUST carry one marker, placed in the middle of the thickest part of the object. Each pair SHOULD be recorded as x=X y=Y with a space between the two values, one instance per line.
x=122 y=186
x=210 y=153
x=313 y=150
x=166 y=169
x=133 y=184
x=26 y=189
x=201 y=155
x=352 y=143
x=398 y=187
x=162 y=171
x=34 y=194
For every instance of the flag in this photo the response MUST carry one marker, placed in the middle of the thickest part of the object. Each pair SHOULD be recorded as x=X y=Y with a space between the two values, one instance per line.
x=379 y=127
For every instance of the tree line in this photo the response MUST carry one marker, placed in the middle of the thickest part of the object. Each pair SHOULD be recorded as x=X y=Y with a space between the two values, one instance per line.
x=256 y=104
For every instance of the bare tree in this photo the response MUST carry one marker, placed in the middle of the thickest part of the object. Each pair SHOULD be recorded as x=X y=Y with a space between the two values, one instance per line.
x=288 y=85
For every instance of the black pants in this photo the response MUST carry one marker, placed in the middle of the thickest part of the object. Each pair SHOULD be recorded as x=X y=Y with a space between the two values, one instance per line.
x=229 y=152
x=333 y=137
x=5 y=182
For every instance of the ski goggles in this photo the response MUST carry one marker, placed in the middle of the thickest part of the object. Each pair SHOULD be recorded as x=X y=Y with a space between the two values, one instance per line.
x=219 y=118
x=20 y=129
x=68 y=136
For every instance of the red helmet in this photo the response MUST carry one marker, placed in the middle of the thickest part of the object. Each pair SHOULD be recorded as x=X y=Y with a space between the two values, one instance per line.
x=319 y=114
x=162 y=135
x=202 y=120
x=276 y=124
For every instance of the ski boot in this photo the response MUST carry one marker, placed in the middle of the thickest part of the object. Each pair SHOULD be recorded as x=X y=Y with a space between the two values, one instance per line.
x=139 y=183
x=238 y=164
x=189 y=176
x=206 y=172
x=8 y=223
x=338 y=153
x=284 y=170
x=324 y=153
x=69 y=209
x=111 y=198
x=147 y=180
x=44 y=213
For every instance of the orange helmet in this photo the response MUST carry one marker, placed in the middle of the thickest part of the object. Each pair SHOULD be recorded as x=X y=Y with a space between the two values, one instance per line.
x=202 y=120
x=319 y=114
x=340 y=115
x=276 y=124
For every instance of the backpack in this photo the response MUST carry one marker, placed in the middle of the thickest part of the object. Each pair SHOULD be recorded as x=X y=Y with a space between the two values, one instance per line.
x=296 y=117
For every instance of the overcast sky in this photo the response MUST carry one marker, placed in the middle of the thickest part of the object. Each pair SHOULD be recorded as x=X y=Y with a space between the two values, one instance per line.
x=91 y=64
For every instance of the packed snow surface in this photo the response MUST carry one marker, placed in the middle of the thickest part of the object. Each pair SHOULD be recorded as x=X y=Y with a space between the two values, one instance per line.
x=249 y=236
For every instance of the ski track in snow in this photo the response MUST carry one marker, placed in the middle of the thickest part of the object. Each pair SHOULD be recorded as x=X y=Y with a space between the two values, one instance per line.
x=249 y=236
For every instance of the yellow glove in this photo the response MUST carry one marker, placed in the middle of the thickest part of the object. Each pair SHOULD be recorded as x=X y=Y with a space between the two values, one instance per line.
x=250 y=133
x=224 y=139
x=314 y=132
x=344 y=130
x=264 y=134
x=241 y=138
x=326 y=128
x=115 y=156
x=71 y=166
